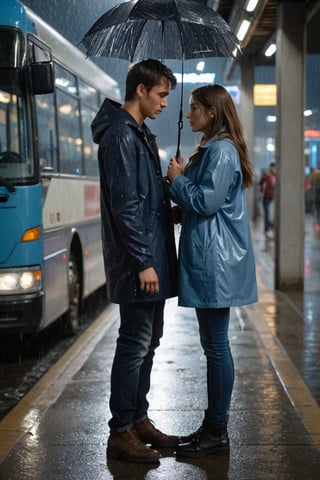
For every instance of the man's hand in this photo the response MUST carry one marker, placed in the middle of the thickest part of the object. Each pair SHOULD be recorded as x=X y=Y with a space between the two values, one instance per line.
x=149 y=282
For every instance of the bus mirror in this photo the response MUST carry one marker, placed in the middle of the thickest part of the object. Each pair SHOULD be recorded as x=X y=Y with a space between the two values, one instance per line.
x=42 y=77
x=10 y=80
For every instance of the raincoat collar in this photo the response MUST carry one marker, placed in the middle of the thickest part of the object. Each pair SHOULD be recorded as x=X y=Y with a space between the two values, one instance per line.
x=110 y=113
x=213 y=139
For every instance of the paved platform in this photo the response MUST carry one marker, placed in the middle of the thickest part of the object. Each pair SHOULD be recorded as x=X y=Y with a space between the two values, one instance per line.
x=59 y=430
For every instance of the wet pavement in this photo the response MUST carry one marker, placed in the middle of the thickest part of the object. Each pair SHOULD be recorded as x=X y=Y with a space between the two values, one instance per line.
x=61 y=431
x=25 y=359
x=294 y=317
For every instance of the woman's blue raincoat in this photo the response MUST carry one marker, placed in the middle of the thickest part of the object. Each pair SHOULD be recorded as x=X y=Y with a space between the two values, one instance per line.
x=216 y=260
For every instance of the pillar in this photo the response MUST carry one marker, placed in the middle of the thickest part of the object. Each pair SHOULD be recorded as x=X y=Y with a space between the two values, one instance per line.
x=289 y=198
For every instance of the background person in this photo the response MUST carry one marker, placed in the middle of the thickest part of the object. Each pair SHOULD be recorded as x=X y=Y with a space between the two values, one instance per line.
x=266 y=187
x=139 y=252
x=216 y=260
x=315 y=183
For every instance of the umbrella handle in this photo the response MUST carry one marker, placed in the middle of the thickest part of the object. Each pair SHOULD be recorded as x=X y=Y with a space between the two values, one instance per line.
x=180 y=127
x=180 y=121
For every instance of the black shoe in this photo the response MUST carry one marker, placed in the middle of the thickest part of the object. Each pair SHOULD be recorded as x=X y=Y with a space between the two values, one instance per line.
x=190 y=437
x=208 y=441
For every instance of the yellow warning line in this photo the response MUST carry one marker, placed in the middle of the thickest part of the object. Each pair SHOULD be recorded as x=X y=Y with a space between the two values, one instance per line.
x=297 y=391
x=28 y=412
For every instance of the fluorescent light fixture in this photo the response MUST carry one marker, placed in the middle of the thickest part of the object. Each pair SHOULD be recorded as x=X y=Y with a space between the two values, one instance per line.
x=271 y=147
x=200 y=66
x=244 y=27
x=195 y=78
x=307 y=113
x=5 y=97
x=65 y=109
x=270 y=50
x=251 y=5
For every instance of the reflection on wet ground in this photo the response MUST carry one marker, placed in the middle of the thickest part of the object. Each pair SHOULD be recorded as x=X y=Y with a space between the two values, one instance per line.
x=66 y=439
x=25 y=359
x=294 y=317
x=213 y=467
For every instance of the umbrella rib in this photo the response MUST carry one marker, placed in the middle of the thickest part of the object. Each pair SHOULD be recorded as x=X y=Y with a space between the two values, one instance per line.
x=132 y=57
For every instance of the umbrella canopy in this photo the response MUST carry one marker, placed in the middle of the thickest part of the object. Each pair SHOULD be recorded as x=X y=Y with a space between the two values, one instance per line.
x=161 y=29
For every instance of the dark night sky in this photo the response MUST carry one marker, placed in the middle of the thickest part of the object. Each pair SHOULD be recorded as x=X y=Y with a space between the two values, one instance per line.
x=72 y=18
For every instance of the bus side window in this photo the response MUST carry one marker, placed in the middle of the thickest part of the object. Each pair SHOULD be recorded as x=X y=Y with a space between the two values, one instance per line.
x=47 y=134
x=70 y=140
x=89 y=102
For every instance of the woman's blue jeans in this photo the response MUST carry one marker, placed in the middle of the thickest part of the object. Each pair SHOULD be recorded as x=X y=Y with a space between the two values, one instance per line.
x=213 y=329
x=141 y=327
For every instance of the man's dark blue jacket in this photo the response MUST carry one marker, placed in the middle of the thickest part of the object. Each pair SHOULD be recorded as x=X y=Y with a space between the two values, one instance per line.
x=137 y=231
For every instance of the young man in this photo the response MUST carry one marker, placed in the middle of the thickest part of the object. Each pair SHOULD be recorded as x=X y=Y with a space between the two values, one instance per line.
x=139 y=252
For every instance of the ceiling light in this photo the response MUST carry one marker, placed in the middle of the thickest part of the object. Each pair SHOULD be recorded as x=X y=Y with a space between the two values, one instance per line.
x=270 y=50
x=244 y=27
x=251 y=5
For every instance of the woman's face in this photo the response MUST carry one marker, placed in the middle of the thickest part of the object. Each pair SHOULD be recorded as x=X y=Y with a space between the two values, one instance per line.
x=199 y=117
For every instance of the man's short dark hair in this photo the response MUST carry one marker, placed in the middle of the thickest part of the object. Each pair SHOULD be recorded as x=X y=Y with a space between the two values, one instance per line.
x=149 y=72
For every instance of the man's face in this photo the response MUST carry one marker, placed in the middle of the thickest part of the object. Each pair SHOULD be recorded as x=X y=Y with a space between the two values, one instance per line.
x=153 y=102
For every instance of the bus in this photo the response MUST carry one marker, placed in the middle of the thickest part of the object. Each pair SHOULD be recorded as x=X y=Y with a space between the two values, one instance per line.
x=50 y=241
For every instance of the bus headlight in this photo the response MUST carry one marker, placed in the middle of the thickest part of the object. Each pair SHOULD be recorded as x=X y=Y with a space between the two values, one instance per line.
x=9 y=281
x=25 y=280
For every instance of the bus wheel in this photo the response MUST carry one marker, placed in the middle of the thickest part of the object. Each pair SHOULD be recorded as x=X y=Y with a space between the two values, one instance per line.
x=74 y=292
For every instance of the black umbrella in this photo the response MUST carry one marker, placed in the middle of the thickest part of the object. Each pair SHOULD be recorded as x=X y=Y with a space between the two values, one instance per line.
x=161 y=29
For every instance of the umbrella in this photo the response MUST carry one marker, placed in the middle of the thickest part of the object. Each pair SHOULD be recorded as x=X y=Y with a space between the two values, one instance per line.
x=161 y=29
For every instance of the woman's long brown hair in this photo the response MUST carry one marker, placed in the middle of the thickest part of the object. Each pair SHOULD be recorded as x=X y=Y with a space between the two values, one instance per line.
x=226 y=123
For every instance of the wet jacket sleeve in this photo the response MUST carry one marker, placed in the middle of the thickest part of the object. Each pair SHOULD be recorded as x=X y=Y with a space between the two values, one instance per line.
x=120 y=169
x=207 y=194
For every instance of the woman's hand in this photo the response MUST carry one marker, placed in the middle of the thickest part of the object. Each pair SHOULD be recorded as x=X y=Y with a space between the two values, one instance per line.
x=175 y=168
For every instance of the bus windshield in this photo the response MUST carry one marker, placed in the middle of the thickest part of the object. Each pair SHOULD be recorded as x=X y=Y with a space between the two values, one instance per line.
x=11 y=48
x=16 y=162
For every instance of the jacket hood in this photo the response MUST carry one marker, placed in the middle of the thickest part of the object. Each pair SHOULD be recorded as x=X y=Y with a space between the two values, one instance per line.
x=110 y=113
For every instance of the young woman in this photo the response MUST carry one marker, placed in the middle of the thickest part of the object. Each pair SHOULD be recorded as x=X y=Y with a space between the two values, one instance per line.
x=216 y=260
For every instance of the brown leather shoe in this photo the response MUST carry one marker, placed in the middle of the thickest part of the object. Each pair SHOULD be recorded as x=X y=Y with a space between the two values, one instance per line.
x=149 y=434
x=127 y=446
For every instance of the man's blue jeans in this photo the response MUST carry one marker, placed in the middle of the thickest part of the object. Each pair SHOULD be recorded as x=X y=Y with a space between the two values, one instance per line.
x=141 y=327
x=213 y=329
